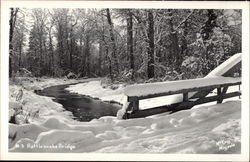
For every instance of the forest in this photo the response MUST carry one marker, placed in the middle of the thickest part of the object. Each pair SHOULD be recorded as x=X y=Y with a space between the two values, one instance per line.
x=107 y=80
x=124 y=45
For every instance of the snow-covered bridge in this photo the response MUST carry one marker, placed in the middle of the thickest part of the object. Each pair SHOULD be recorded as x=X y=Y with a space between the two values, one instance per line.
x=191 y=92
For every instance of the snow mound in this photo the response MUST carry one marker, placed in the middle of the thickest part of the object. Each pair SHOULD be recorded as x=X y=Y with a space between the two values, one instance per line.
x=107 y=119
x=202 y=114
x=109 y=135
x=187 y=121
x=65 y=137
x=133 y=131
x=54 y=123
x=30 y=131
x=161 y=125
x=24 y=142
x=132 y=122
x=96 y=128
x=226 y=128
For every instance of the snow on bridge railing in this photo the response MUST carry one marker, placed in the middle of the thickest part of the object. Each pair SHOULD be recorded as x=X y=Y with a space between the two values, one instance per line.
x=220 y=78
x=227 y=68
x=149 y=90
x=189 y=90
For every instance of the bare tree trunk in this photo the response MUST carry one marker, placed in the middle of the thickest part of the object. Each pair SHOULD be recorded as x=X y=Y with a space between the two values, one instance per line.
x=107 y=62
x=105 y=49
x=60 y=42
x=182 y=49
x=110 y=69
x=71 y=45
x=68 y=50
x=100 y=57
x=20 y=52
x=207 y=29
x=46 y=59
x=12 y=21
x=41 y=57
x=112 y=38
x=151 y=44
x=81 y=55
x=174 y=48
x=87 y=53
x=51 y=53
x=130 y=40
x=183 y=45
x=10 y=41
x=71 y=49
x=170 y=41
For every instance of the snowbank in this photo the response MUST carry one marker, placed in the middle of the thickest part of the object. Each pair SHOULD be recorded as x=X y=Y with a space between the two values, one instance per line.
x=34 y=108
x=95 y=90
x=30 y=83
x=207 y=129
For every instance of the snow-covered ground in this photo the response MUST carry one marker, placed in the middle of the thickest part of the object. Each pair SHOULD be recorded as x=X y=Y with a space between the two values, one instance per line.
x=208 y=129
x=203 y=129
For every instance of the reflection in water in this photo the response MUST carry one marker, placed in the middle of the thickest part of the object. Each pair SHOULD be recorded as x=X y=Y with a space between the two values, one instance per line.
x=82 y=107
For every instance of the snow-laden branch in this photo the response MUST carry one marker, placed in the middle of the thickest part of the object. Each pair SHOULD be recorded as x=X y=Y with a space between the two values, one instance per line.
x=183 y=21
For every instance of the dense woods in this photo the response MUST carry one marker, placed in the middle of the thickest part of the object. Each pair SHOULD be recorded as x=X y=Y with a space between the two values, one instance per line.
x=122 y=44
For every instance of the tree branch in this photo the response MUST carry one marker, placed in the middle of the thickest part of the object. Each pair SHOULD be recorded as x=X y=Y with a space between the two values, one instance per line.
x=183 y=21
x=15 y=16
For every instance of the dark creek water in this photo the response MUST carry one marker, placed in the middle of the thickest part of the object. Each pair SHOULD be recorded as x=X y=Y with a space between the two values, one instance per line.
x=83 y=108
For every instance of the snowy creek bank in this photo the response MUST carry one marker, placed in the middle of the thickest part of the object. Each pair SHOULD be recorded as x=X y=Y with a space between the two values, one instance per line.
x=32 y=107
x=84 y=108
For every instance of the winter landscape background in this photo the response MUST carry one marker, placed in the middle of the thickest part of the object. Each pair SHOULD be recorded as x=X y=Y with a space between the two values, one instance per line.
x=101 y=52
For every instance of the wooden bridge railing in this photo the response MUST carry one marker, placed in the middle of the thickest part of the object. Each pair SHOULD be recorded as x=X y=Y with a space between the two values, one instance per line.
x=193 y=91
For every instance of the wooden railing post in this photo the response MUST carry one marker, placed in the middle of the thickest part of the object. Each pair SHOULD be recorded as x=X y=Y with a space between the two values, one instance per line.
x=185 y=97
x=239 y=90
x=132 y=109
x=219 y=96
x=224 y=90
x=135 y=106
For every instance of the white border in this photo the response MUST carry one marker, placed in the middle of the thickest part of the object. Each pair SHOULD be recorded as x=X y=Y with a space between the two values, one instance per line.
x=244 y=156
